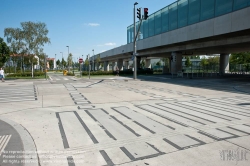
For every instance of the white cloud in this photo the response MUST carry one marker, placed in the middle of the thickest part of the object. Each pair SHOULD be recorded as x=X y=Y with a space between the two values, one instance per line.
x=110 y=44
x=106 y=44
x=92 y=24
x=103 y=50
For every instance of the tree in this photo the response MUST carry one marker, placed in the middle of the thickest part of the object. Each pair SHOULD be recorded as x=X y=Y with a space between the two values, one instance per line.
x=35 y=36
x=98 y=60
x=51 y=64
x=240 y=58
x=86 y=63
x=143 y=63
x=64 y=63
x=188 y=63
x=158 y=63
x=204 y=63
x=15 y=39
x=58 y=62
x=165 y=61
x=69 y=61
x=4 y=52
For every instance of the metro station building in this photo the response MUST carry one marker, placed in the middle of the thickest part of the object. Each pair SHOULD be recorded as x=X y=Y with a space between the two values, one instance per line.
x=186 y=28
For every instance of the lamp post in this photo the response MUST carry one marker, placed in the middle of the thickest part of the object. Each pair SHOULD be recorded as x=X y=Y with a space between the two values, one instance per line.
x=134 y=48
x=68 y=55
x=62 y=60
x=93 y=60
x=89 y=64
x=55 y=62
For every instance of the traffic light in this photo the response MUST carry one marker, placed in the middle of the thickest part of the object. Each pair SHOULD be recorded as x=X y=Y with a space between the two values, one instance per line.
x=139 y=13
x=145 y=13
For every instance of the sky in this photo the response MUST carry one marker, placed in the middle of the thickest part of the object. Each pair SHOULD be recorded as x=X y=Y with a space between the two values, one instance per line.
x=83 y=25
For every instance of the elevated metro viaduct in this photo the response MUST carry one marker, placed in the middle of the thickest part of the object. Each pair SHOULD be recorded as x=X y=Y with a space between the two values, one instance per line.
x=225 y=34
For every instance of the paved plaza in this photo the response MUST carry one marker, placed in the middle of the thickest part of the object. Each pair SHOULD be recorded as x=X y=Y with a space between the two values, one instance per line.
x=155 y=120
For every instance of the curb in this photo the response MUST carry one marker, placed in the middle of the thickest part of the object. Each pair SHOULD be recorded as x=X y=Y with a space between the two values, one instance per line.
x=27 y=140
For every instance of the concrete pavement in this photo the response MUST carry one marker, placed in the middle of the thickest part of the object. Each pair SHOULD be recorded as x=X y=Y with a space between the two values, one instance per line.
x=117 y=122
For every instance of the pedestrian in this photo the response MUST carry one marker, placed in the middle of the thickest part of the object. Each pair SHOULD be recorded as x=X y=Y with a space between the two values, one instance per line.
x=2 y=74
x=117 y=71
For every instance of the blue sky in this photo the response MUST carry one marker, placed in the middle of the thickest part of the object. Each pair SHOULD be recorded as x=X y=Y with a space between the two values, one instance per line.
x=82 y=25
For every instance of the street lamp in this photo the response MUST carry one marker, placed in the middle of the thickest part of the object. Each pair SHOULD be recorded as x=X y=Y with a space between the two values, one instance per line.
x=68 y=55
x=134 y=48
x=93 y=60
x=62 y=60
x=55 y=61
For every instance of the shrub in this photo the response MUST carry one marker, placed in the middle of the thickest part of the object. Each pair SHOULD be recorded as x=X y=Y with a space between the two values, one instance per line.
x=70 y=74
x=26 y=74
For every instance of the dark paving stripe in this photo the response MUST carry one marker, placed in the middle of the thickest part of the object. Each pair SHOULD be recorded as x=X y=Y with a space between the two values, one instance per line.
x=70 y=161
x=238 y=130
x=186 y=113
x=172 y=120
x=86 y=128
x=195 y=109
x=131 y=130
x=63 y=135
x=106 y=131
x=217 y=138
x=130 y=156
x=223 y=109
x=106 y=158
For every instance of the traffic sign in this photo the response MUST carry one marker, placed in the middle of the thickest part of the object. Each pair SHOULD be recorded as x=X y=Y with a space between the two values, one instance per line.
x=132 y=58
x=80 y=60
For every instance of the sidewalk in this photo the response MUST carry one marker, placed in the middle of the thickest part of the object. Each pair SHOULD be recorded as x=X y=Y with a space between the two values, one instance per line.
x=14 y=141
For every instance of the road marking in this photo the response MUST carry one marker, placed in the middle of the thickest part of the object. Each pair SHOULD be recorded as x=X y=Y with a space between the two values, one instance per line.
x=4 y=140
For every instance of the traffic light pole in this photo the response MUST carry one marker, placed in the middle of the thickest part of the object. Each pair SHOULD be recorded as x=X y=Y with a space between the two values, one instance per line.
x=134 y=48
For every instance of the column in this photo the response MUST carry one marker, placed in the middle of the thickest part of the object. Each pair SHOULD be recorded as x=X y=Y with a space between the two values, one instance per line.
x=176 y=63
x=126 y=65
x=106 y=66
x=148 y=63
x=120 y=64
x=224 y=63
x=113 y=66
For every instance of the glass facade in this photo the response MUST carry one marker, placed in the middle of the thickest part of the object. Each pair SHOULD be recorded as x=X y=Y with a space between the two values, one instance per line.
x=183 y=13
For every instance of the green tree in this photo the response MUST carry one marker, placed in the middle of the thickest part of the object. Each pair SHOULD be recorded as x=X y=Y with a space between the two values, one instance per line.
x=165 y=61
x=69 y=61
x=143 y=63
x=35 y=36
x=15 y=39
x=188 y=63
x=4 y=52
x=204 y=63
x=98 y=60
x=86 y=63
x=51 y=64
x=158 y=63
x=64 y=63
x=58 y=62
x=240 y=58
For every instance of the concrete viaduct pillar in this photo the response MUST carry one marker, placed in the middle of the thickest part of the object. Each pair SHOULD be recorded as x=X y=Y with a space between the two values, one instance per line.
x=148 y=63
x=224 y=63
x=113 y=66
x=176 y=63
x=126 y=65
x=120 y=64
x=106 y=66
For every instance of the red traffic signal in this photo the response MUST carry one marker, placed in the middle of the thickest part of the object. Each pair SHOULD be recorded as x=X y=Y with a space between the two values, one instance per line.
x=145 y=13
